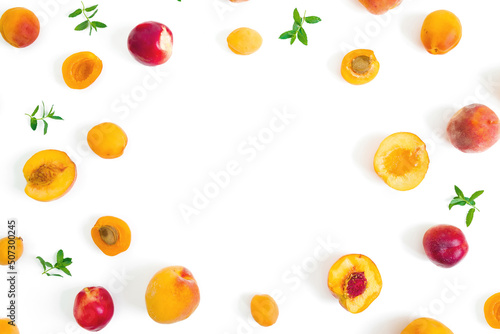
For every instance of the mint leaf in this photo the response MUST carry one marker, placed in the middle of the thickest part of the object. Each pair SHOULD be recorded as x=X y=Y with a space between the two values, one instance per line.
x=91 y=8
x=459 y=192
x=98 y=24
x=287 y=34
x=470 y=216
x=302 y=36
x=76 y=13
x=457 y=201
x=60 y=256
x=45 y=126
x=42 y=262
x=294 y=37
x=296 y=17
x=36 y=110
x=82 y=26
x=476 y=194
x=93 y=14
x=312 y=19
x=33 y=123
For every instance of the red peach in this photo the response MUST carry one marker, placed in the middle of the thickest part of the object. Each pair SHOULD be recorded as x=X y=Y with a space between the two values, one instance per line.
x=379 y=7
x=150 y=43
x=445 y=245
x=93 y=308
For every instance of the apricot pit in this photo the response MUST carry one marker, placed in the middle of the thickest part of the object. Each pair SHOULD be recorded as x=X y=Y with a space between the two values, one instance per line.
x=359 y=67
x=112 y=235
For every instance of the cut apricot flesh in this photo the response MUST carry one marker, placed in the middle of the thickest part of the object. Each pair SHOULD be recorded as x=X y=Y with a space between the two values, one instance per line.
x=359 y=67
x=492 y=311
x=355 y=281
x=401 y=161
x=49 y=174
x=112 y=235
x=81 y=69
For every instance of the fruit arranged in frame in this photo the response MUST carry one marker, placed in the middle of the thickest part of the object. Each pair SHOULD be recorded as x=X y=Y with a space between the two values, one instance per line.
x=401 y=161
x=14 y=245
x=264 y=310
x=107 y=140
x=112 y=235
x=93 y=308
x=355 y=281
x=19 y=27
x=172 y=295
x=426 y=326
x=492 y=311
x=49 y=175
x=81 y=69
x=6 y=328
x=445 y=245
x=379 y=7
x=474 y=128
x=244 y=41
x=150 y=43
x=441 y=32
x=359 y=67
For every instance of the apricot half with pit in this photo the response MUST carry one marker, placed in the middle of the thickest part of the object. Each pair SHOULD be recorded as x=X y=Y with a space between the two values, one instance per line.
x=49 y=175
x=355 y=281
x=426 y=326
x=401 y=161
x=112 y=235
x=359 y=67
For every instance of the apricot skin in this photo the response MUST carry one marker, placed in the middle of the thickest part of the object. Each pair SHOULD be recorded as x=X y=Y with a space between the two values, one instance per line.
x=492 y=311
x=426 y=326
x=370 y=69
x=107 y=140
x=379 y=7
x=17 y=248
x=473 y=129
x=81 y=69
x=441 y=32
x=6 y=328
x=264 y=310
x=244 y=41
x=19 y=27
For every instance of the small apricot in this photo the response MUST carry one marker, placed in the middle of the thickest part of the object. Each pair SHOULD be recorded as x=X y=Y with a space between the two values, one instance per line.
x=401 y=161
x=112 y=235
x=19 y=27
x=379 y=7
x=49 y=174
x=7 y=328
x=426 y=326
x=244 y=41
x=11 y=249
x=264 y=310
x=359 y=67
x=107 y=140
x=81 y=69
x=441 y=32
x=492 y=311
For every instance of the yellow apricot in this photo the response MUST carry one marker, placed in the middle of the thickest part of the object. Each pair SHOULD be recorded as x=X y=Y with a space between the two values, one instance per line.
x=244 y=41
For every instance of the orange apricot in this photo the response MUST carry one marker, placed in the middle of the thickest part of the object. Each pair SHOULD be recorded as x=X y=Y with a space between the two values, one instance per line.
x=401 y=161
x=49 y=174
x=81 y=69
x=112 y=235
x=11 y=249
x=355 y=281
x=441 y=32
x=19 y=27
x=379 y=7
x=264 y=310
x=359 y=67
x=244 y=41
x=7 y=328
x=426 y=326
x=107 y=140
x=492 y=311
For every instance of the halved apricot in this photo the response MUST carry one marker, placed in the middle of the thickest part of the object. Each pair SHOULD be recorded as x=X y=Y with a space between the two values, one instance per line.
x=441 y=32
x=359 y=67
x=426 y=326
x=401 y=161
x=107 y=140
x=112 y=235
x=264 y=310
x=49 y=174
x=10 y=250
x=492 y=311
x=355 y=281
x=81 y=69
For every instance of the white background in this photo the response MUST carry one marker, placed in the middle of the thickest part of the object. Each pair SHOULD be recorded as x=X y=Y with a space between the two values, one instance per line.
x=313 y=183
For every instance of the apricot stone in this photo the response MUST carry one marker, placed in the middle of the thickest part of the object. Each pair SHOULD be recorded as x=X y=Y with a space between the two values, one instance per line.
x=379 y=7
x=112 y=235
x=474 y=128
x=264 y=310
x=426 y=326
x=359 y=67
x=19 y=27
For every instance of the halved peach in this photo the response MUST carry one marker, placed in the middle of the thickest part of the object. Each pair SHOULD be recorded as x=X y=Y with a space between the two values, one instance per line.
x=49 y=175
x=401 y=161
x=355 y=281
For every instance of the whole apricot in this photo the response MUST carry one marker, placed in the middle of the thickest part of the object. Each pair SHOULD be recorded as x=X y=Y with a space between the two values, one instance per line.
x=172 y=295
x=426 y=326
x=379 y=7
x=359 y=67
x=474 y=128
x=107 y=140
x=11 y=249
x=244 y=41
x=441 y=32
x=81 y=69
x=492 y=311
x=19 y=27
x=7 y=328
x=264 y=310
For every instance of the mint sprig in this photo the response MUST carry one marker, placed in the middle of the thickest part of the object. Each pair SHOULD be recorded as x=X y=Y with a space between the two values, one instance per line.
x=34 y=121
x=87 y=23
x=461 y=200
x=61 y=264
x=298 y=29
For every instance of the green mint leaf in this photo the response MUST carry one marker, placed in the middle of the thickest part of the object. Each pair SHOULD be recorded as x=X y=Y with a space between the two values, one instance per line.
x=296 y=17
x=66 y=271
x=296 y=27
x=457 y=201
x=42 y=262
x=302 y=36
x=82 y=26
x=91 y=8
x=287 y=34
x=36 y=110
x=45 y=127
x=56 y=117
x=476 y=194
x=470 y=216
x=76 y=13
x=33 y=123
x=48 y=264
x=54 y=275
x=98 y=24
x=60 y=256
x=294 y=37
x=459 y=192
x=66 y=262
x=312 y=19
x=93 y=14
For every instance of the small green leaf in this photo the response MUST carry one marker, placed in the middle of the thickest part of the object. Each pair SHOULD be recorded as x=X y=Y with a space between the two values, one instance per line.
x=33 y=123
x=296 y=17
x=66 y=262
x=476 y=194
x=48 y=264
x=91 y=8
x=93 y=14
x=36 y=110
x=294 y=37
x=56 y=117
x=296 y=27
x=287 y=34
x=76 y=13
x=302 y=36
x=459 y=192
x=98 y=24
x=66 y=271
x=312 y=19
x=457 y=201
x=42 y=262
x=60 y=256
x=54 y=275
x=45 y=126
x=82 y=26
x=470 y=216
